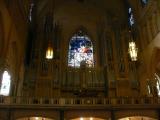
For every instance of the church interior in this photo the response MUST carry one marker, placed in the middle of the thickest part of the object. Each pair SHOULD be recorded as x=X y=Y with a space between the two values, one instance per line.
x=79 y=60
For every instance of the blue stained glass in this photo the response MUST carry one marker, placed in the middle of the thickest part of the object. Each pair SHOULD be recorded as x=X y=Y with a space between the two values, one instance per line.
x=130 y=18
x=80 y=51
x=144 y=1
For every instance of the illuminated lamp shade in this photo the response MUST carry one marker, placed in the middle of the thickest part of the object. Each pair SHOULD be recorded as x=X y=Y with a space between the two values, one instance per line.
x=49 y=52
x=133 y=51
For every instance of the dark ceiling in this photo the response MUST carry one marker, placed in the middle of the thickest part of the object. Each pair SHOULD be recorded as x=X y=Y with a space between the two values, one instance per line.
x=110 y=8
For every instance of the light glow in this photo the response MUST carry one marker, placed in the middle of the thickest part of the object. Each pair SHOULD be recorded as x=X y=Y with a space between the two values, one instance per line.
x=157 y=83
x=49 y=52
x=36 y=118
x=5 y=85
x=81 y=118
x=133 y=50
x=30 y=12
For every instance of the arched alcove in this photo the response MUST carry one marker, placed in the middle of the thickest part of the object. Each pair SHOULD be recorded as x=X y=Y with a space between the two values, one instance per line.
x=87 y=118
x=35 y=118
x=137 y=118
x=36 y=113
x=87 y=115
x=126 y=114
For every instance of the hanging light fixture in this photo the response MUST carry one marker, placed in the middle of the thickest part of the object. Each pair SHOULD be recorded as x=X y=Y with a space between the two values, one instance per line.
x=49 y=32
x=133 y=50
x=49 y=51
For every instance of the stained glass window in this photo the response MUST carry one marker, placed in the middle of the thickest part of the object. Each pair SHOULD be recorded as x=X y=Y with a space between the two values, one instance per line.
x=30 y=12
x=130 y=17
x=157 y=78
x=80 y=51
x=149 y=90
x=144 y=2
x=5 y=85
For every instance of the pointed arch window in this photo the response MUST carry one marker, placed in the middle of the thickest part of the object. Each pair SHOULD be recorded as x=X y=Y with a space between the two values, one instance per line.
x=31 y=11
x=80 y=50
x=130 y=17
x=5 y=84
x=144 y=2
x=157 y=78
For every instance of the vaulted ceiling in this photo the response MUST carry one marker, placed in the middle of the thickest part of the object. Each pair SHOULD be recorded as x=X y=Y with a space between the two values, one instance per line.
x=113 y=6
x=87 y=9
x=72 y=11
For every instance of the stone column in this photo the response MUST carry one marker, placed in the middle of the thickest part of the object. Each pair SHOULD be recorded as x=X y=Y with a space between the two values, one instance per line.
x=143 y=37
x=158 y=111
x=158 y=4
x=140 y=37
x=61 y=115
x=154 y=24
x=112 y=115
x=9 y=115
x=149 y=31
x=158 y=20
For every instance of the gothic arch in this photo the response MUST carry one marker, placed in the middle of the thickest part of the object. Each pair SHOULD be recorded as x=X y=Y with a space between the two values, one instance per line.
x=85 y=30
x=88 y=118
x=53 y=115
x=34 y=118
x=137 y=118
x=73 y=115
x=131 y=113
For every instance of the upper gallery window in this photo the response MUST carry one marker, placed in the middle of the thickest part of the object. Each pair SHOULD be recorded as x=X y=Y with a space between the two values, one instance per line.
x=80 y=51
x=157 y=78
x=5 y=84
x=144 y=2
x=30 y=11
x=149 y=89
x=130 y=17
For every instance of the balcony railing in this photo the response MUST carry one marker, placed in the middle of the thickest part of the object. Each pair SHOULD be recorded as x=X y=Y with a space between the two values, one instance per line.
x=79 y=102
